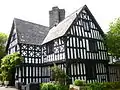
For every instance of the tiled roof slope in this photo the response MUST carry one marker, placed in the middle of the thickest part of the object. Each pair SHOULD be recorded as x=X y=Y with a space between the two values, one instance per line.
x=30 y=33
x=62 y=27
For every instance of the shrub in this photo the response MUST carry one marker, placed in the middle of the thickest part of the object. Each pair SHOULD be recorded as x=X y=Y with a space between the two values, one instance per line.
x=78 y=83
x=117 y=85
x=48 y=86
x=51 y=86
x=61 y=87
x=114 y=85
x=96 y=86
x=104 y=86
x=1 y=77
x=58 y=75
x=109 y=85
x=8 y=64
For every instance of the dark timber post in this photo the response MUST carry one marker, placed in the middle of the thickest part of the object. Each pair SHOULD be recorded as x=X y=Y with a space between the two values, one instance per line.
x=107 y=71
x=67 y=62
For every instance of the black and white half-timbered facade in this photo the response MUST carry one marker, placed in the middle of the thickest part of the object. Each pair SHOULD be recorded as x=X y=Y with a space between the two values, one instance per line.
x=76 y=44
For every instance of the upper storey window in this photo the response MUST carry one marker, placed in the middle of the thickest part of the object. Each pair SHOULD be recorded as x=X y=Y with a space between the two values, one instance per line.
x=50 y=47
x=86 y=25
x=93 y=47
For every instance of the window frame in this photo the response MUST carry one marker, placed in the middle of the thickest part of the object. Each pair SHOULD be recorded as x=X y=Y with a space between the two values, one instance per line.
x=50 y=48
x=93 y=47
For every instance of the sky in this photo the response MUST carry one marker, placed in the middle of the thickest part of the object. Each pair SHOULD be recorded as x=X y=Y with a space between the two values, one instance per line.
x=37 y=11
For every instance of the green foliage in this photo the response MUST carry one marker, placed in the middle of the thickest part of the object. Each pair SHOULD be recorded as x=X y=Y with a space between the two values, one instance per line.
x=104 y=86
x=10 y=61
x=113 y=38
x=48 y=86
x=96 y=86
x=61 y=87
x=8 y=64
x=58 y=75
x=78 y=83
x=6 y=76
x=52 y=86
x=3 y=39
x=90 y=86
x=1 y=77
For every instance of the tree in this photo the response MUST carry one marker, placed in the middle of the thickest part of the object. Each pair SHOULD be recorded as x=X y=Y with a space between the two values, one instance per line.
x=113 y=38
x=3 y=39
x=58 y=75
x=8 y=65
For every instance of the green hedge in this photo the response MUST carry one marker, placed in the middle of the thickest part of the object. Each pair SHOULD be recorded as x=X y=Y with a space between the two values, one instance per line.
x=90 y=86
x=78 y=83
x=98 y=86
x=103 y=86
x=47 y=86
x=52 y=86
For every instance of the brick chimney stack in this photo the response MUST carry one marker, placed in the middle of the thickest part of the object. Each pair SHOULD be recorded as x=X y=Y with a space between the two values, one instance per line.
x=56 y=15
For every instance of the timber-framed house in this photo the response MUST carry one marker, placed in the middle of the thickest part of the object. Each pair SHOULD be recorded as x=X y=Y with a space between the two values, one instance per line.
x=74 y=43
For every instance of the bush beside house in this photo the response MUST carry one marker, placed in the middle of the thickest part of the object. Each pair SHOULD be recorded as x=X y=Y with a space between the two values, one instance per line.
x=59 y=77
x=80 y=85
x=59 y=84
x=8 y=64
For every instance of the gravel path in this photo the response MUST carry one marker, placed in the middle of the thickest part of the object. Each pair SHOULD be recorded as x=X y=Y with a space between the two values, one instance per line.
x=9 y=88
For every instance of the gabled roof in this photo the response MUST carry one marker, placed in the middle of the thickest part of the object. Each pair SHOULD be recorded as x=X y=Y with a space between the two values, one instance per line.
x=62 y=27
x=30 y=33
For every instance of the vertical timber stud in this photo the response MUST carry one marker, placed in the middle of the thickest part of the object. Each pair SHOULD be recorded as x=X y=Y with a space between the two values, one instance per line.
x=107 y=64
x=20 y=65
x=107 y=71
x=67 y=62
